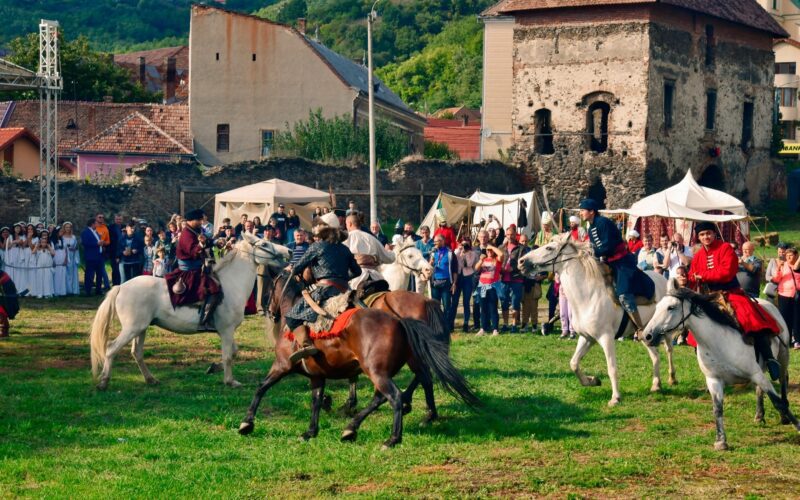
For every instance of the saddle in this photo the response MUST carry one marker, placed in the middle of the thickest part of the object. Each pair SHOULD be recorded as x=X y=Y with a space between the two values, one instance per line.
x=332 y=308
x=335 y=329
x=368 y=287
x=608 y=277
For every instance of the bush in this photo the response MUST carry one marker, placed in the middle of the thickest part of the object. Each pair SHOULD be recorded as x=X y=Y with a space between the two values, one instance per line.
x=439 y=151
x=336 y=139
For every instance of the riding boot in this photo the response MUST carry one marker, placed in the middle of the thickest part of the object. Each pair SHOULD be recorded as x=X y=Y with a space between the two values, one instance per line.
x=637 y=322
x=4 y=327
x=207 y=313
x=306 y=347
x=763 y=347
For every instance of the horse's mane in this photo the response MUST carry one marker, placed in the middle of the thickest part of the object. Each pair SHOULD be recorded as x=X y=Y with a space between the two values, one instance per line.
x=585 y=255
x=705 y=304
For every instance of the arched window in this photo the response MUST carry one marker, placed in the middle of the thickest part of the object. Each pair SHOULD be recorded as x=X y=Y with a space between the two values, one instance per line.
x=543 y=140
x=597 y=126
x=713 y=178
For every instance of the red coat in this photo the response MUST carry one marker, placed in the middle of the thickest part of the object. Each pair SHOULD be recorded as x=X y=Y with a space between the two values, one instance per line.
x=635 y=245
x=198 y=284
x=449 y=236
x=717 y=267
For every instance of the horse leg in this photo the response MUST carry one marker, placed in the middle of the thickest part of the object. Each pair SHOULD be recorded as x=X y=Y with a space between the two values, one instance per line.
x=717 y=389
x=350 y=432
x=276 y=373
x=408 y=394
x=228 y=351
x=584 y=344
x=607 y=342
x=779 y=403
x=389 y=389
x=137 y=351
x=759 y=419
x=317 y=393
x=433 y=414
x=349 y=408
x=656 y=359
x=671 y=364
x=125 y=336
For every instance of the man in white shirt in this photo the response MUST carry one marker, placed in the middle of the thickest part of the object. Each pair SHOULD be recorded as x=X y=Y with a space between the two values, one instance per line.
x=679 y=254
x=368 y=251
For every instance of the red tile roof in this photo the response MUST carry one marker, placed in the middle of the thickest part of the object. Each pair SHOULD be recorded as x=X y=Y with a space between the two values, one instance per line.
x=745 y=12
x=10 y=134
x=134 y=134
x=465 y=141
x=92 y=118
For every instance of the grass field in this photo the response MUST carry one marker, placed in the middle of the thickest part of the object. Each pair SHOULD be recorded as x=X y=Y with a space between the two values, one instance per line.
x=540 y=433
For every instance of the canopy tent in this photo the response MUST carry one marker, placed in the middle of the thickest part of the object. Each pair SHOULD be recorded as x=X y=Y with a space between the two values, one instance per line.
x=262 y=198
x=506 y=207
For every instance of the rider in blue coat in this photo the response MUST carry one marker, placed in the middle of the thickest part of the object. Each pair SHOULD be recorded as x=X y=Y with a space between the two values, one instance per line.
x=610 y=247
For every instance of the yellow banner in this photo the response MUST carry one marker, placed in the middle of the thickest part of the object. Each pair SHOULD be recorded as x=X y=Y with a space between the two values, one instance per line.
x=790 y=149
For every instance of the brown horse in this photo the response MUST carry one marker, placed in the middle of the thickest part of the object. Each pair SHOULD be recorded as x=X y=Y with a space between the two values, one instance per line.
x=373 y=342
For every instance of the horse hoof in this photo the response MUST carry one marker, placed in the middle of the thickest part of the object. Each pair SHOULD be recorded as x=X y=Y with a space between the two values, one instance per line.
x=592 y=382
x=673 y=381
x=214 y=368
x=234 y=384
x=102 y=386
x=614 y=402
x=390 y=443
x=406 y=408
x=327 y=402
x=152 y=381
x=348 y=435
x=720 y=446
x=656 y=388
x=759 y=419
x=308 y=435
x=246 y=428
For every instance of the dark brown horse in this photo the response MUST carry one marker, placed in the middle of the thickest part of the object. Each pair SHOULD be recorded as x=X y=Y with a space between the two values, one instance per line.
x=373 y=342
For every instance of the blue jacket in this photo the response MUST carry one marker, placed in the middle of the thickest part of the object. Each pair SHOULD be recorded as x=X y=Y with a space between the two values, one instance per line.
x=91 y=249
x=606 y=237
x=135 y=243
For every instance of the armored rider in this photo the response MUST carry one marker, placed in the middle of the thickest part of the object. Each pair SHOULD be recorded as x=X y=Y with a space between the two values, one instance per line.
x=610 y=248
x=714 y=269
x=193 y=281
x=332 y=265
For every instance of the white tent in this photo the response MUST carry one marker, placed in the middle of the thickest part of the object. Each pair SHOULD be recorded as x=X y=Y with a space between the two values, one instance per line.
x=505 y=207
x=261 y=199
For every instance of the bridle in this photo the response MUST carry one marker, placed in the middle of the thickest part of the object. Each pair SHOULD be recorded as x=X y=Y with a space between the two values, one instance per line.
x=404 y=266
x=555 y=260
x=681 y=325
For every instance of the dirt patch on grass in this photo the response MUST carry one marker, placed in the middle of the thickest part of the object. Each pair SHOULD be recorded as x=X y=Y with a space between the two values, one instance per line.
x=368 y=487
x=62 y=364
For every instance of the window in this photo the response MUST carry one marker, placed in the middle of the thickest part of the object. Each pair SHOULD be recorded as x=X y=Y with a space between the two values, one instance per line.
x=543 y=140
x=747 y=125
x=785 y=68
x=669 y=96
x=711 y=109
x=254 y=57
x=597 y=126
x=223 y=137
x=710 y=45
x=217 y=56
x=789 y=130
x=267 y=139
x=776 y=4
x=787 y=97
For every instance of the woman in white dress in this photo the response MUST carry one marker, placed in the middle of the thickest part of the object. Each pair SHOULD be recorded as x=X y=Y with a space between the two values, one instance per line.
x=5 y=235
x=26 y=258
x=13 y=250
x=70 y=242
x=59 y=264
x=43 y=267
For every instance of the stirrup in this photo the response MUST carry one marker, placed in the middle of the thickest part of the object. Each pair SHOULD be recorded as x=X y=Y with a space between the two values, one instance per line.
x=302 y=353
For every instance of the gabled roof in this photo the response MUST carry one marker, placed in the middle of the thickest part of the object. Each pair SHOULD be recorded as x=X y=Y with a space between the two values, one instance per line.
x=744 y=12
x=11 y=134
x=134 y=134
x=357 y=76
x=494 y=10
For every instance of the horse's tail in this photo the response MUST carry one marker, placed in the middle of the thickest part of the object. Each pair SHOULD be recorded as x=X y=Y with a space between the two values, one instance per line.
x=436 y=321
x=102 y=322
x=433 y=353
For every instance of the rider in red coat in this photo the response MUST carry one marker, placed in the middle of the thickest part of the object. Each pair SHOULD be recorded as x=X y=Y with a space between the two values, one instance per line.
x=714 y=269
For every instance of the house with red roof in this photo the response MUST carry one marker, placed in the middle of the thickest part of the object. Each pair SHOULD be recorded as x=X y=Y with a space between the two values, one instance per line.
x=164 y=70
x=19 y=151
x=462 y=136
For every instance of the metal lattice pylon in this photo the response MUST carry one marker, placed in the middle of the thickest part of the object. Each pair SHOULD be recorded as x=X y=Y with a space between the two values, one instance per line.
x=50 y=86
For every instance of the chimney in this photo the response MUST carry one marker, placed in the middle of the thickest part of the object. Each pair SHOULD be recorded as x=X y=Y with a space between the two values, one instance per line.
x=464 y=120
x=301 y=25
x=169 y=80
x=142 y=74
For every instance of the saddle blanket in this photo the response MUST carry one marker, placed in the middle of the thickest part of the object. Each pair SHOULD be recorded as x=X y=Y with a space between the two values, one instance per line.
x=339 y=324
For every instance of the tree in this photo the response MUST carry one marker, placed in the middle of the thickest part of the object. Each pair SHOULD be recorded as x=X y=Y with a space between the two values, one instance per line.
x=88 y=75
x=292 y=11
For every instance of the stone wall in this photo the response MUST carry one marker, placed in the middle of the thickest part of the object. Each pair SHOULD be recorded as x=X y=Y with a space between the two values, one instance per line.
x=153 y=190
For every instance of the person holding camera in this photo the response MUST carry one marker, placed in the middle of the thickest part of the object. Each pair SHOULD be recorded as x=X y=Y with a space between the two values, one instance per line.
x=466 y=258
x=489 y=266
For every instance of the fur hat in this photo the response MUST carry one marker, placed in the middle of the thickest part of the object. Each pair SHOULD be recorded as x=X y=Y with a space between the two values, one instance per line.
x=547 y=218
x=330 y=219
x=194 y=215
x=705 y=226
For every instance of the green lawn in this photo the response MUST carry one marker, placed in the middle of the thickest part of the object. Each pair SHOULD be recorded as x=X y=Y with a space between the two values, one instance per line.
x=540 y=433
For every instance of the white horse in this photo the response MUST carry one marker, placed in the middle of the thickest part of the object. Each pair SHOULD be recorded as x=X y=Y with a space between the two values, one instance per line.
x=144 y=301
x=722 y=354
x=408 y=261
x=594 y=313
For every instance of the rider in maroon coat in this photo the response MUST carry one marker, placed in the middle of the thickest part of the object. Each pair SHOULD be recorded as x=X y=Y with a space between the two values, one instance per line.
x=198 y=284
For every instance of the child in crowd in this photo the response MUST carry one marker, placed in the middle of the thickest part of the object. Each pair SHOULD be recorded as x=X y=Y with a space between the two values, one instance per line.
x=149 y=255
x=159 y=263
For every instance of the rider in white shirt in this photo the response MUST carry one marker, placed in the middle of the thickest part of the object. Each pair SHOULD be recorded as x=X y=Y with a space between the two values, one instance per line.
x=368 y=251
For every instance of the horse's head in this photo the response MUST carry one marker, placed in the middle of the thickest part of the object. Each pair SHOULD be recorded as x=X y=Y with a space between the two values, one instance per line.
x=412 y=260
x=549 y=256
x=266 y=253
x=671 y=312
